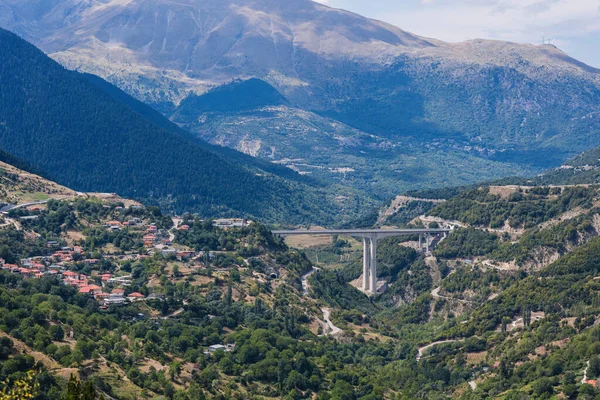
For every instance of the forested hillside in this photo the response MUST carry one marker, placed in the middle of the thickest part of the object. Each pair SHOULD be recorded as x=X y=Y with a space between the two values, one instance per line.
x=121 y=300
x=89 y=140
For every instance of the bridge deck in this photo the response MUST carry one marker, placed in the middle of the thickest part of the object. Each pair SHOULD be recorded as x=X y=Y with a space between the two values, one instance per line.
x=360 y=232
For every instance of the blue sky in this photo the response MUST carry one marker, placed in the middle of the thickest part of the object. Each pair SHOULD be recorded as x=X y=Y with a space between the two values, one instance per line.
x=572 y=25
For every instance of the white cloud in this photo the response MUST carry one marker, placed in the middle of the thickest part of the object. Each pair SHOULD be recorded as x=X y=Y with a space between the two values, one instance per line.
x=570 y=23
x=326 y=2
x=523 y=20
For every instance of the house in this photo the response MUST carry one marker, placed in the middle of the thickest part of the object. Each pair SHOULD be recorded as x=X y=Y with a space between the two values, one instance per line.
x=167 y=252
x=135 y=296
x=121 y=280
x=184 y=255
x=114 y=301
x=117 y=292
x=95 y=289
x=70 y=275
x=155 y=296
x=85 y=290
x=149 y=240
x=215 y=347
x=100 y=296
x=89 y=289
x=184 y=228
x=226 y=223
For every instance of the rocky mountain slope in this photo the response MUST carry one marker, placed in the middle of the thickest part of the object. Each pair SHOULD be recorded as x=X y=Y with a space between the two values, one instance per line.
x=493 y=108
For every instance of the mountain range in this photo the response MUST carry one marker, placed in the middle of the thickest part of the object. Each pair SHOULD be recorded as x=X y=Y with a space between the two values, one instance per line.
x=88 y=135
x=360 y=102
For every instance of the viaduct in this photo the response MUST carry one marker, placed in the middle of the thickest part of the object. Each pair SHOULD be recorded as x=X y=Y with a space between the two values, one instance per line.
x=370 y=238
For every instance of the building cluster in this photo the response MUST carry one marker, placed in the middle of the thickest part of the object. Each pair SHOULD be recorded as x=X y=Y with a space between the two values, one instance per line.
x=97 y=287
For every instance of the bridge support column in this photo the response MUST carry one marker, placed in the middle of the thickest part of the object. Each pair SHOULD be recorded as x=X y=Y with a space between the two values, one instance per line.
x=366 y=264
x=373 y=266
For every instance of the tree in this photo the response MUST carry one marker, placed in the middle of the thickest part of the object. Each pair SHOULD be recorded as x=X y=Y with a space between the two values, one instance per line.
x=7 y=255
x=24 y=388
x=57 y=332
x=594 y=368
x=169 y=391
x=543 y=386
x=342 y=390
x=174 y=369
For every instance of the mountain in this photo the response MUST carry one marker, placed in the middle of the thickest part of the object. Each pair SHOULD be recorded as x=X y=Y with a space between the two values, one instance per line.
x=87 y=137
x=396 y=111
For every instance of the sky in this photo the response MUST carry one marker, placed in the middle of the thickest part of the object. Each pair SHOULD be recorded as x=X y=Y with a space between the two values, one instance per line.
x=571 y=25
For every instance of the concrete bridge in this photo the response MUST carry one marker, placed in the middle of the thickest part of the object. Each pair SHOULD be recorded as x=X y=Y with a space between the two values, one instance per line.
x=370 y=238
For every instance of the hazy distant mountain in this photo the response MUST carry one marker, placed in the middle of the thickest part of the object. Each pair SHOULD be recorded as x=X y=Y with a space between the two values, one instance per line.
x=416 y=109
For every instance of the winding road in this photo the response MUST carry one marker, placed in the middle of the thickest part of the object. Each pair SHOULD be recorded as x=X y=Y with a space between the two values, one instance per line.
x=436 y=293
x=424 y=348
x=304 y=279
x=587 y=365
x=333 y=330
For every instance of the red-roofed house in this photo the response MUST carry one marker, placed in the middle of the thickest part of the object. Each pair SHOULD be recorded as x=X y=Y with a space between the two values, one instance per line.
x=101 y=295
x=135 y=296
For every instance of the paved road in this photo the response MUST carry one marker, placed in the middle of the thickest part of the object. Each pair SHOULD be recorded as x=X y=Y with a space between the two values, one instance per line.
x=436 y=293
x=333 y=330
x=363 y=232
x=304 y=279
x=587 y=365
x=424 y=348
x=15 y=206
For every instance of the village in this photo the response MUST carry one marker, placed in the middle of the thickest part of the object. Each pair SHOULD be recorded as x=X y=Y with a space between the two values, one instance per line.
x=110 y=289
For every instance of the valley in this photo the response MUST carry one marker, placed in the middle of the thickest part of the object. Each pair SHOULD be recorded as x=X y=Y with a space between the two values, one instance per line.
x=266 y=199
x=179 y=295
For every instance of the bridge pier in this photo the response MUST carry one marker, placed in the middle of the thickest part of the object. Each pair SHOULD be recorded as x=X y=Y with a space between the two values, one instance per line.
x=366 y=264
x=373 y=266
x=369 y=279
